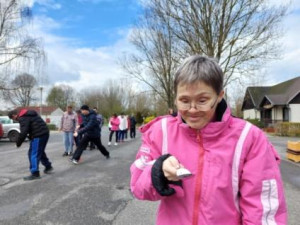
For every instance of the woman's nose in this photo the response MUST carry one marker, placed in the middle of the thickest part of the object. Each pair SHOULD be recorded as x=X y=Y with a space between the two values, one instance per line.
x=193 y=108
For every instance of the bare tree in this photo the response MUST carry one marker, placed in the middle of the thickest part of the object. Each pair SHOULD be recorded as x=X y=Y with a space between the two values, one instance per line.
x=17 y=48
x=112 y=98
x=109 y=98
x=241 y=34
x=61 y=96
x=22 y=90
x=117 y=96
x=155 y=63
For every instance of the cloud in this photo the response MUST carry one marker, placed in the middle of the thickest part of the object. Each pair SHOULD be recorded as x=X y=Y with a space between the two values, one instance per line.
x=79 y=67
x=294 y=4
x=288 y=66
x=52 y=4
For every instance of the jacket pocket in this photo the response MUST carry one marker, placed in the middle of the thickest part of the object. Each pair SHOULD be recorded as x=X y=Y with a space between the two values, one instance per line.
x=211 y=176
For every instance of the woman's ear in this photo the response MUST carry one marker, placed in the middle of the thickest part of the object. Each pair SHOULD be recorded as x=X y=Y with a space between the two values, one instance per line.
x=221 y=95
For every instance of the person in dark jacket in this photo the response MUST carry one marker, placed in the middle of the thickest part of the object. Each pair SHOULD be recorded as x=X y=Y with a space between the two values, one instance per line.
x=33 y=126
x=91 y=132
x=132 y=126
x=100 y=122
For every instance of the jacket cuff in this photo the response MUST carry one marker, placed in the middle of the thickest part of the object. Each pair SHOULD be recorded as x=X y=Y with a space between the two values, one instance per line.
x=159 y=181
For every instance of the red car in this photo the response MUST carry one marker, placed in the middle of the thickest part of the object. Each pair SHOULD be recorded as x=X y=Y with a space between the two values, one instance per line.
x=1 y=130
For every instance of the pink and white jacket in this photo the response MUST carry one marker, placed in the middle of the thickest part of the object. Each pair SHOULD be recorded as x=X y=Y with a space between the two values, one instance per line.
x=236 y=178
x=114 y=122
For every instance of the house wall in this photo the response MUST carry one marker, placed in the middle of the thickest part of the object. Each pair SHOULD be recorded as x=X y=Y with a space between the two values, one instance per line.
x=251 y=114
x=57 y=112
x=294 y=113
x=277 y=113
x=54 y=117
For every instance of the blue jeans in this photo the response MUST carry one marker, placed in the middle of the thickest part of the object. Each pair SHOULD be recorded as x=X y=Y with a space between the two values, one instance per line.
x=68 y=141
x=121 y=135
x=36 y=154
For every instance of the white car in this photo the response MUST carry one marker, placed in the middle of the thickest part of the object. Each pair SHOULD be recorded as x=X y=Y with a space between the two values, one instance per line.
x=11 y=130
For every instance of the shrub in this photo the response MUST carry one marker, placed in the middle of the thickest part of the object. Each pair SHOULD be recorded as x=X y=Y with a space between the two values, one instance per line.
x=288 y=129
x=51 y=126
x=269 y=129
x=148 y=119
x=256 y=122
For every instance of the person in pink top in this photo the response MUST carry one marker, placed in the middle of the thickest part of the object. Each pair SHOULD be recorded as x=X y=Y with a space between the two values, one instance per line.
x=114 y=128
x=234 y=176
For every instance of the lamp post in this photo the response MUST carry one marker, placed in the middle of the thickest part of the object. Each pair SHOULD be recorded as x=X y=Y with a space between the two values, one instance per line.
x=41 y=103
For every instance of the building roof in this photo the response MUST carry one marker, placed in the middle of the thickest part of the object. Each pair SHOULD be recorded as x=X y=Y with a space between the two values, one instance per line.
x=46 y=110
x=279 y=94
x=283 y=93
x=257 y=94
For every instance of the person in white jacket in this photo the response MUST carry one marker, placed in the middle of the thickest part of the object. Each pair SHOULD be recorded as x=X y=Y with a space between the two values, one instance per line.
x=122 y=127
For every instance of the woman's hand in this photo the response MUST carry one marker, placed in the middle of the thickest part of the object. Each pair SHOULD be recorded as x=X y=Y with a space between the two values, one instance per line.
x=169 y=167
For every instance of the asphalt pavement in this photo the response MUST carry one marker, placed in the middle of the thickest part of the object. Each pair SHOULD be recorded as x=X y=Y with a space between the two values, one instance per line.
x=96 y=191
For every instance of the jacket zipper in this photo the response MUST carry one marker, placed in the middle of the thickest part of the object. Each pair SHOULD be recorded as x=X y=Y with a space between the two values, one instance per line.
x=198 y=186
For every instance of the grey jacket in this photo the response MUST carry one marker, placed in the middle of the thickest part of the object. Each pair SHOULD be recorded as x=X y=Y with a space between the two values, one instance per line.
x=68 y=122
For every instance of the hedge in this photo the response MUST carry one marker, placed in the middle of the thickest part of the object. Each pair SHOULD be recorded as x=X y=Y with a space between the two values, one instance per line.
x=51 y=126
x=256 y=122
x=288 y=129
x=148 y=119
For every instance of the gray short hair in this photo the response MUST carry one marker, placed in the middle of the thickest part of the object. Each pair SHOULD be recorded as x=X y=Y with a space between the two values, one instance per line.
x=200 y=68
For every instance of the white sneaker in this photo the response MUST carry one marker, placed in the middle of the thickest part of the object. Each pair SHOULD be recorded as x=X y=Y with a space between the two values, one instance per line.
x=74 y=161
x=109 y=143
x=116 y=143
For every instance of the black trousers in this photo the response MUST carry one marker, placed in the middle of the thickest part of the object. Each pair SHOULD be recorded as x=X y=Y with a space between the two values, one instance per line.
x=77 y=140
x=132 y=132
x=83 y=144
x=111 y=134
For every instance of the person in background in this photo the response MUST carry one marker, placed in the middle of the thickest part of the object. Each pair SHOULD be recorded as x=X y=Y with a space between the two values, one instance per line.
x=91 y=132
x=34 y=126
x=205 y=166
x=127 y=127
x=132 y=126
x=114 y=123
x=68 y=124
x=122 y=127
x=172 y=112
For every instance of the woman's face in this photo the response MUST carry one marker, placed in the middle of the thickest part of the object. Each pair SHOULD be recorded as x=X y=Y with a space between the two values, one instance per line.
x=197 y=103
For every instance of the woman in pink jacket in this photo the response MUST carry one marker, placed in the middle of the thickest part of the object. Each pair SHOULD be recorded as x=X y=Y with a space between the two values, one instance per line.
x=114 y=123
x=235 y=177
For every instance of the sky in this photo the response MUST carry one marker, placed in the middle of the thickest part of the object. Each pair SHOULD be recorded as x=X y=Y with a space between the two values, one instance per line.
x=84 y=39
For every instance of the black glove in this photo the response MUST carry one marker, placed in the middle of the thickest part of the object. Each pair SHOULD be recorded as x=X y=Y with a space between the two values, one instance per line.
x=159 y=181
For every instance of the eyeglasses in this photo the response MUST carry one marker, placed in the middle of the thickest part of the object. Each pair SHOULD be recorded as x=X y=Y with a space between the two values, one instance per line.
x=199 y=105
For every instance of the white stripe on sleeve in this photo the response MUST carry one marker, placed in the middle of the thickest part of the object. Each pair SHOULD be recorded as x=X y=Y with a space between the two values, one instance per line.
x=236 y=163
x=165 y=136
x=141 y=163
x=269 y=200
